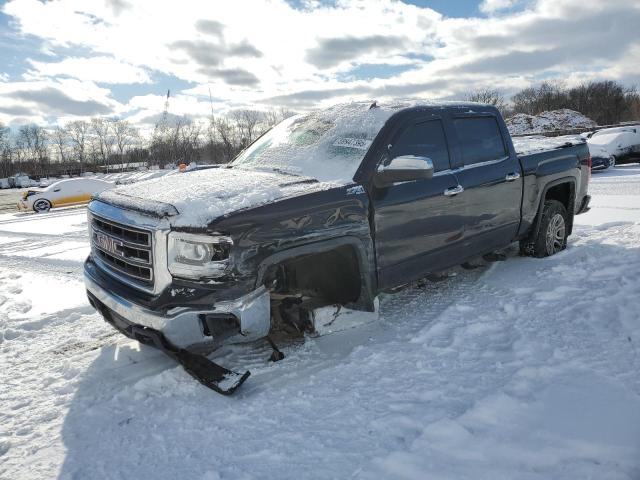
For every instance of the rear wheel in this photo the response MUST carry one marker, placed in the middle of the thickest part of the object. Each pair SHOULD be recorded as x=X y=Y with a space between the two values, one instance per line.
x=553 y=232
x=41 y=205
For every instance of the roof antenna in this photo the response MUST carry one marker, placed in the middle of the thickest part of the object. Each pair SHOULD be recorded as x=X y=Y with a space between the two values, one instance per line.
x=373 y=105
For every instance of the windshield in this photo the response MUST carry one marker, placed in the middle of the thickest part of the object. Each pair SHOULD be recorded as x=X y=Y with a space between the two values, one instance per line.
x=327 y=145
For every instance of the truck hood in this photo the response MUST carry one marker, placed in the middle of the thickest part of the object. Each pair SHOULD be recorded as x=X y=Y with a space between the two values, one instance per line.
x=194 y=199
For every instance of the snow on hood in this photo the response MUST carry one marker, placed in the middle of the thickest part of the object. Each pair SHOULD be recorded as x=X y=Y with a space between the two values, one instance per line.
x=199 y=197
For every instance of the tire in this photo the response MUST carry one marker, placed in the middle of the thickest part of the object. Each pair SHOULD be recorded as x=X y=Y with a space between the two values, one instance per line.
x=552 y=235
x=41 y=205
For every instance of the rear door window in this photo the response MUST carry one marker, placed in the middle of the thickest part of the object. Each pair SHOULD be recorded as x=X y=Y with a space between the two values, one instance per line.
x=480 y=139
x=424 y=139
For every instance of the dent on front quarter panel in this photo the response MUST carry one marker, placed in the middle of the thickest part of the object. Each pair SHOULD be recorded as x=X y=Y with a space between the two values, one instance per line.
x=261 y=233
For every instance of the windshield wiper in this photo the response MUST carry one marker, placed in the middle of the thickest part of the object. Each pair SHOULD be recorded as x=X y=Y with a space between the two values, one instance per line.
x=267 y=169
x=284 y=172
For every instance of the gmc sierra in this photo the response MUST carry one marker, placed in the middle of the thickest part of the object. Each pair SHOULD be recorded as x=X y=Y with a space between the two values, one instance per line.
x=327 y=208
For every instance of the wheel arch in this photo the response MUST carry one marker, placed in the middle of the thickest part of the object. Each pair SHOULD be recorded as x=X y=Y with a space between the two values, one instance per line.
x=562 y=189
x=316 y=254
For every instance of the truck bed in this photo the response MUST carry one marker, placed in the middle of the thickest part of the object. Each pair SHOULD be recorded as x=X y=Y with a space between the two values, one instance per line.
x=537 y=143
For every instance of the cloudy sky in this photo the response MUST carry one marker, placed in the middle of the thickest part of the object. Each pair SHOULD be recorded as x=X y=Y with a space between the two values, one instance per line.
x=62 y=60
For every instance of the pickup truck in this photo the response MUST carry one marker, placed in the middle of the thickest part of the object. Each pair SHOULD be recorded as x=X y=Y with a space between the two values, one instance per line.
x=325 y=209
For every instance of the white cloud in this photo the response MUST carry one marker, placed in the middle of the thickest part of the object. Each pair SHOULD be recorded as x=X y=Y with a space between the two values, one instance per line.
x=268 y=53
x=51 y=100
x=491 y=6
x=101 y=69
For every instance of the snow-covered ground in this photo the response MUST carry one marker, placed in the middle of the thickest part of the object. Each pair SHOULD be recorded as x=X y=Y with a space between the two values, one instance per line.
x=527 y=369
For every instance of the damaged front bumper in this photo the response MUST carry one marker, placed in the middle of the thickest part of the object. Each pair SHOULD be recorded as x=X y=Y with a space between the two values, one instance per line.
x=242 y=320
x=210 y=374
x=181 y=332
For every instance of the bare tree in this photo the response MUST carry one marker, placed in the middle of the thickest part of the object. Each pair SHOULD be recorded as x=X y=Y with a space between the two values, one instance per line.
x=248 y=124
x=32 y=140
x=489 y=96
x=5 y=151
x=78 y=134
x=190 y=141
x=104 y=138
x=125 y=136
x=60 y=138
x=544 y=97
x=275 y=116
x=606 y=102
x=227 y=132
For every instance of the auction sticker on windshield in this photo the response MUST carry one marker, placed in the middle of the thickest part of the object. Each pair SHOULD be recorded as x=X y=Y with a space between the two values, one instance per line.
x=359 y=143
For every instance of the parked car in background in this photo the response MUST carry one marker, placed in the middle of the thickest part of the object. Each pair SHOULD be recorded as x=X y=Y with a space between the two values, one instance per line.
x=74 y=191
x=4 y=183
x=623 y=143
x=45 y=182
x=601 y=159
x=19 y=180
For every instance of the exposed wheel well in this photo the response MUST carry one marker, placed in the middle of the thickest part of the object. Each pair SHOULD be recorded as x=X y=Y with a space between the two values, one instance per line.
x=333 y=275
x=562 y=193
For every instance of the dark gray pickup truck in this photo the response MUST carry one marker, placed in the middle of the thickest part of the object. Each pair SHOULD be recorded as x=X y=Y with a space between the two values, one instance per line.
x=326 y=209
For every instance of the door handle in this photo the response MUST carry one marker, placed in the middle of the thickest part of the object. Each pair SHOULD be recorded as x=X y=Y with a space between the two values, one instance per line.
x=450 y=192
x=512 y=176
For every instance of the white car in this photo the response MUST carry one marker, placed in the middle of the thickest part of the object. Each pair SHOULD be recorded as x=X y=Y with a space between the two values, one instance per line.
x=621 y=143
x=74 y=191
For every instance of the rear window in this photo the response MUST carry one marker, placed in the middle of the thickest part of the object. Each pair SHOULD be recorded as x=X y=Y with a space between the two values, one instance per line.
x=424 y=139
x=480 y=139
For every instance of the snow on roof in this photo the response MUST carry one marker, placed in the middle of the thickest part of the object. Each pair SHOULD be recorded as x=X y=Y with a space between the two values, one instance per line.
x=615 y=130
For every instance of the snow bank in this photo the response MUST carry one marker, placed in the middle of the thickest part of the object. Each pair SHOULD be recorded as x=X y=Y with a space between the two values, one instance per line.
x=564 y=119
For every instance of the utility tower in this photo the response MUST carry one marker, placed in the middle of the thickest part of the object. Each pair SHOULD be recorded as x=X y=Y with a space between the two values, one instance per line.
x=163 y=121
x=159 y=133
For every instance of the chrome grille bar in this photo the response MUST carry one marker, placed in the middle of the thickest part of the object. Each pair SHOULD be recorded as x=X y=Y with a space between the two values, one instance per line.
x=125 y=250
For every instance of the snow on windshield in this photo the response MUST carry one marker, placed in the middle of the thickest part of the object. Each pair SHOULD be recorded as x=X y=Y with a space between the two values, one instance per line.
x=327 y=145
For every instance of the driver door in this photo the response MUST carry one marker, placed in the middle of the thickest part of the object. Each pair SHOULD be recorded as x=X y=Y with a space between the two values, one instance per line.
x=417 y=225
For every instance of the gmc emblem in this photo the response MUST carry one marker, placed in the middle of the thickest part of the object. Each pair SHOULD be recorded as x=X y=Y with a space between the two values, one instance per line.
x=108 y=244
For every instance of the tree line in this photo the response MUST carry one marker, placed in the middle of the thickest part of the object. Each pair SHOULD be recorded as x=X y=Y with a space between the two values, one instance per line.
x=74 y=148
x=104 y=144
x=107 y=144
x=606 y=102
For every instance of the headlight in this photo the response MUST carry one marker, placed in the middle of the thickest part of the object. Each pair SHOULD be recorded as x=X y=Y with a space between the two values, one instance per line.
x=198 y=256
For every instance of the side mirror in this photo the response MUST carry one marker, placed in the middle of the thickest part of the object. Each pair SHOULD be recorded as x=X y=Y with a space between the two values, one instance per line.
x=404 y=169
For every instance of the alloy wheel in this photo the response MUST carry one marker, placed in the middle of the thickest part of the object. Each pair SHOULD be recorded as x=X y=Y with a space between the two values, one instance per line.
x=555 y=234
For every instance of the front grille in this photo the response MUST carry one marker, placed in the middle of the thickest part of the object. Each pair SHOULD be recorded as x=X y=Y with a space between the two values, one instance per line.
x=124 y=249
